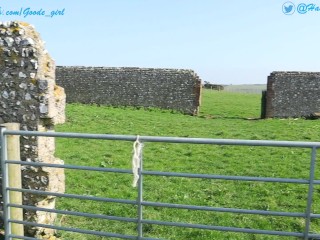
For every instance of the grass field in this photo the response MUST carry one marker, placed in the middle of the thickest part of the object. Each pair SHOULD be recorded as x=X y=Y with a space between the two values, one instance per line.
x=223 y=115
x=246 y=88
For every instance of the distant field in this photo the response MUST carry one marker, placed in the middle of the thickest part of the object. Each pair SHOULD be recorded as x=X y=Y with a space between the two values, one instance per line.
x=223 y=115
x=246 y=88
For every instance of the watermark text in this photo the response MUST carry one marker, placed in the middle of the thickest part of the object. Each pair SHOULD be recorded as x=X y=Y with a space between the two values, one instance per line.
x=290 y=8
x=28 y=12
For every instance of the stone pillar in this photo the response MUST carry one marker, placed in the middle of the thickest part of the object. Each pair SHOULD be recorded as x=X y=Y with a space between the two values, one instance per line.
x=29 y=96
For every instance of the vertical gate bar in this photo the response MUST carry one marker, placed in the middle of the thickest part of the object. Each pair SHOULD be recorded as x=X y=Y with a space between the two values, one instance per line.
x=5 y=183
x=310 y=192
x=140 y=199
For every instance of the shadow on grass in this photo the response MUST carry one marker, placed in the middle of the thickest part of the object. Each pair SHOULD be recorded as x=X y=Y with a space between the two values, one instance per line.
x=233 y=118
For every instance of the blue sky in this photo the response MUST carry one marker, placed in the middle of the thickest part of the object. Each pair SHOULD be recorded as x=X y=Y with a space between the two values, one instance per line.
x=225 y=42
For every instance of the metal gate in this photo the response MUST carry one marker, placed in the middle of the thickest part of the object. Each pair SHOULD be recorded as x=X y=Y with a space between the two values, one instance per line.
x=140 y=203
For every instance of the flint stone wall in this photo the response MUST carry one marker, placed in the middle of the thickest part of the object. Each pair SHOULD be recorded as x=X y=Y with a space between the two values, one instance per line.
x=176 y=89
x=292 y=94
x=29 y=96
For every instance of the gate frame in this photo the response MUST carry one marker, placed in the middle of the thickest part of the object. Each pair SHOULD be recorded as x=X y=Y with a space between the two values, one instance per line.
x=139 y=202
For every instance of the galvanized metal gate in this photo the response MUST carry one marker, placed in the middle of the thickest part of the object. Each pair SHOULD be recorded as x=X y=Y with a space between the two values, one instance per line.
x=139 y=220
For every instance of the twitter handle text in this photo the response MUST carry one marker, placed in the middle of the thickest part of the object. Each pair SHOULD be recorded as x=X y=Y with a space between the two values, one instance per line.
x=304 y=8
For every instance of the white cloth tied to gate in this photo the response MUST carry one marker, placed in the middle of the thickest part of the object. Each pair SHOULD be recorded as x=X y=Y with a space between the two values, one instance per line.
x=136 y=160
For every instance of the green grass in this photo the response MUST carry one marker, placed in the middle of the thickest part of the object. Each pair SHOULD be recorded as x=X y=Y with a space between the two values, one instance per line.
x=223 y=115
x=246 y=88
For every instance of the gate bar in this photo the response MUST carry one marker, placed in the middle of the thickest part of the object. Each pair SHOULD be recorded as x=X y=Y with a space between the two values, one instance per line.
x=5 y=182
x=132 y=138
x=310 y=193
x=170 y=174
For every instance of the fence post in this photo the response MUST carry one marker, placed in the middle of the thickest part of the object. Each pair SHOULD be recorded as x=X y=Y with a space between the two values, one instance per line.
x=14 y=175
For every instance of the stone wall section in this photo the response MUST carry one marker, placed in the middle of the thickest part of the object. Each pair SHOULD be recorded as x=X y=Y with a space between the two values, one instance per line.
x=29 y=96
x=176 y=89
x=292 y=94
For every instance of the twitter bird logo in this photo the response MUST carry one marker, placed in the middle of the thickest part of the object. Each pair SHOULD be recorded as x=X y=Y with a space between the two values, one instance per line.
x=288 y=8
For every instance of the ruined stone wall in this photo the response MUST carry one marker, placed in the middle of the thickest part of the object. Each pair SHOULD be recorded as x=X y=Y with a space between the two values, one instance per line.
x=292 y=94
x=29 y=96
x=176 y=89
